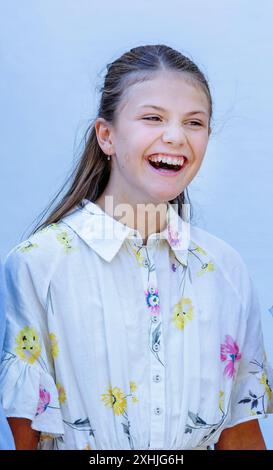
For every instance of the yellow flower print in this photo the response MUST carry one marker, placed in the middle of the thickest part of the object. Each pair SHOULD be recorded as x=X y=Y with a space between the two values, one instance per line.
x=27 y=246
x=87 y=447
x=138 y=256
x=264 y=382
x=182 y=313
x=115 y=399
x=46 y=437
x=200 y=250
x=28 y=346
x=54 y=345
x=61 y=392
x=221 y=400
x=133 y=387
x=64 y=239
x=206 y=267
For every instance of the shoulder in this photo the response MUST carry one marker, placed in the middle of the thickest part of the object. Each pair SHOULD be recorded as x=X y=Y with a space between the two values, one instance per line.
x=54 y=239
x=218 y=248
x=38 y=256
x=227 y=261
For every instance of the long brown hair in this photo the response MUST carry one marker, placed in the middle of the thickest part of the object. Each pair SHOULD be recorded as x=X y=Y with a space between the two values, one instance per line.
x=92 y=172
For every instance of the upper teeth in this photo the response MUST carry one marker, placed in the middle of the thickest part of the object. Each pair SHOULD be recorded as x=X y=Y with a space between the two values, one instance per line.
x=169 y=160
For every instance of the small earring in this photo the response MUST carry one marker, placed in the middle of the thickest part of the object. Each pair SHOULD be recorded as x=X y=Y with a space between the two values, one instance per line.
x=109 y=157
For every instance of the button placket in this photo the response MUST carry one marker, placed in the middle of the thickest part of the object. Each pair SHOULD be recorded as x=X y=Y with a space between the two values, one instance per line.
x=156 y=343
x=156 y=347
x=157 y=369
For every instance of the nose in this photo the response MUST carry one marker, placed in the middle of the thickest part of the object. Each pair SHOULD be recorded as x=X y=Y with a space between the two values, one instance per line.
x=174 y=134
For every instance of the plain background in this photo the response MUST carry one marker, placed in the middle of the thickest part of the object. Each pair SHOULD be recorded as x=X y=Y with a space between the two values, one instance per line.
x=54 y=55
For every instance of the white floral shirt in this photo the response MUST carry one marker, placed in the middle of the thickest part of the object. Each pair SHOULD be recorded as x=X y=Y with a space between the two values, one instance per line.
x=112 y=344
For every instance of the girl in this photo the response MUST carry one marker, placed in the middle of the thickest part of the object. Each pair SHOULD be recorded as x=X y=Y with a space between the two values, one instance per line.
x=128 y=327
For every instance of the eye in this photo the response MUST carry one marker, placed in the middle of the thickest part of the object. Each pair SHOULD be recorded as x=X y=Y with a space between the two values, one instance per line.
x=195 y=123
x=151 y=118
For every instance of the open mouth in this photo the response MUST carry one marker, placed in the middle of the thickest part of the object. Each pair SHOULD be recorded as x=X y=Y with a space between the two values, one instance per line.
x=170 y=164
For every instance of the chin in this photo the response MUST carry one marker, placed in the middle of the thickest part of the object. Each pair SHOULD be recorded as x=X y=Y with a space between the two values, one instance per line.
x=164 y=198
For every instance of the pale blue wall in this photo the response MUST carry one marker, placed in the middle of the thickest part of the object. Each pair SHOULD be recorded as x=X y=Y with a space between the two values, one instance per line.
x=53 y=55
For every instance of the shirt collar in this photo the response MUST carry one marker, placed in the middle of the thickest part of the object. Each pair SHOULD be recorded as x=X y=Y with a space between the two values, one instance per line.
x=105 y=235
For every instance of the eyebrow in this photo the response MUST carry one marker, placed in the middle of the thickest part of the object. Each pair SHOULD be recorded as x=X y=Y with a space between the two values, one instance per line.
x=162 y=109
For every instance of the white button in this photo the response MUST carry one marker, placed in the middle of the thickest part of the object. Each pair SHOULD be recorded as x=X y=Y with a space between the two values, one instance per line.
x=155 y=319
x=157 y=378
x=156 y=347
x=157 y=411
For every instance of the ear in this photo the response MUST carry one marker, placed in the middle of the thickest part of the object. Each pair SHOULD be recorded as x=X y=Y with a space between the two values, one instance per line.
x=104 y=136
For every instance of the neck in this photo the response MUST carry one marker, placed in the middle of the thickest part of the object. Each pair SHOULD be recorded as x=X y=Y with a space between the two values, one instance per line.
x=146 y=218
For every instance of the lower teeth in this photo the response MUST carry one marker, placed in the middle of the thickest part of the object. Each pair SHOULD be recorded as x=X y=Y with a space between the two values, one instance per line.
x=165 y=166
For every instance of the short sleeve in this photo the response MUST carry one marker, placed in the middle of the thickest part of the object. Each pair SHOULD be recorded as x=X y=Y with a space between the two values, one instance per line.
x=27 y=382
x=251 y=395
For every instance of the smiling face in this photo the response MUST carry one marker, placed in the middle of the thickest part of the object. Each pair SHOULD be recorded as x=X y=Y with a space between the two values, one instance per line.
x=163 y=116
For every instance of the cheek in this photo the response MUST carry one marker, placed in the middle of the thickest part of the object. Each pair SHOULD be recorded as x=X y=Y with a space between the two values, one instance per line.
x=127 y=161
x=200 y=146
x=142 y=139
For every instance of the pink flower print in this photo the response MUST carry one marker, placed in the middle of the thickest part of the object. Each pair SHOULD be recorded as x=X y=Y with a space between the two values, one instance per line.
x=152 y=300
x=173 y=236
x=230 y=354
x=44 y=400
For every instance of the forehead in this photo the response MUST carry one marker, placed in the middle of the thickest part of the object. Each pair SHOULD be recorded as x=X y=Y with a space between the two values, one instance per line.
x=170 y=90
